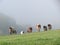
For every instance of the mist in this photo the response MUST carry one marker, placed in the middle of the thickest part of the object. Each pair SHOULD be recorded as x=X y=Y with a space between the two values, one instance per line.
x=32 y=12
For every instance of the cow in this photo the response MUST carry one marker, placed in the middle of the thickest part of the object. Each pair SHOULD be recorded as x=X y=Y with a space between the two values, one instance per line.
x=12 y=31
x=38 y=27
x=49 y=26
x=22 y=32
x=29 y=30
x=45 y=28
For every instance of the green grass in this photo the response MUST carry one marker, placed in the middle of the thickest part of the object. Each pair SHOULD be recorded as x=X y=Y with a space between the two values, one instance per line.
x=37 y=38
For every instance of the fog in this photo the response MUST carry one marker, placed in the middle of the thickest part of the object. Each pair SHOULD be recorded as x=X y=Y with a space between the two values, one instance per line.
x=32 y=12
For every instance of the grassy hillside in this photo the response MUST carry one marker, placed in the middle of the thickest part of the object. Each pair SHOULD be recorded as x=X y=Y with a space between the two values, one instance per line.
x=37 y=38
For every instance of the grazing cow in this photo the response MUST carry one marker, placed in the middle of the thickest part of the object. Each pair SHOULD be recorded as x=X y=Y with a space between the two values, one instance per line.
x=49 y=26
x=45 y=28
x=29 y=30
x=22 y=32
x=12 y=31
x=38 y=26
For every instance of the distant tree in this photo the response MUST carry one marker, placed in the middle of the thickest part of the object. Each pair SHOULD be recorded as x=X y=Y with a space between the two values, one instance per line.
x=5 y=23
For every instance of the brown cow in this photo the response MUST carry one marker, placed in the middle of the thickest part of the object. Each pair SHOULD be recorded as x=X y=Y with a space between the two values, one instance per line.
x=49 y=26
x=38 y=26
x=29 y=30
x=45 y=28
x=12 y=31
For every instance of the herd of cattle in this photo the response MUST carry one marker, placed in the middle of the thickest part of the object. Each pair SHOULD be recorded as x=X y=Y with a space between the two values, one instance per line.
x=29 y=30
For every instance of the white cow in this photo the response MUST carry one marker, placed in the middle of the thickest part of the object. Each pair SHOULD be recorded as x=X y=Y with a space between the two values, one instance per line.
x=38 y=27
x=22 y=32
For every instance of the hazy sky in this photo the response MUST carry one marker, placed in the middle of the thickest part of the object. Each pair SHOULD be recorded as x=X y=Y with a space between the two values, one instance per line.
x=32 y=11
